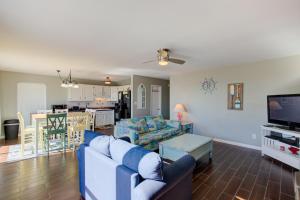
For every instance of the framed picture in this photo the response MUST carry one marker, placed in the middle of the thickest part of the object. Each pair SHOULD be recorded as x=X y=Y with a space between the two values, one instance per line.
x=235 y=96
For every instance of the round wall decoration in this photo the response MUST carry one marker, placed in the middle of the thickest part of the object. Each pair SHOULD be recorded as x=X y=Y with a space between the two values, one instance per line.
x=208 y=85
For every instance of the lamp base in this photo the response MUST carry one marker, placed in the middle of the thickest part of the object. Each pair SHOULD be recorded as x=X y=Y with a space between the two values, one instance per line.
x=179 y=116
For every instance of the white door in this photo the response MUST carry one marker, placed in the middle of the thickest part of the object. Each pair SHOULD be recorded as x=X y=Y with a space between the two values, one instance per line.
x=155 y=100
x=31 y=98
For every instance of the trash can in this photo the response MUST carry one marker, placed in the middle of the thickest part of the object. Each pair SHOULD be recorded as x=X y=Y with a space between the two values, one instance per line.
x=11 y=129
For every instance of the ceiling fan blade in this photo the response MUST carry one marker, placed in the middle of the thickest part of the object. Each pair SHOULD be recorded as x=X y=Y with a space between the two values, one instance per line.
x=150 y=61
x=177 y=61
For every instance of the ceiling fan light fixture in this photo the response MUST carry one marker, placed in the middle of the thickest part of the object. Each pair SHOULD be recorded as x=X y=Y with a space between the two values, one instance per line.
x=107 y=81
x=163 y=62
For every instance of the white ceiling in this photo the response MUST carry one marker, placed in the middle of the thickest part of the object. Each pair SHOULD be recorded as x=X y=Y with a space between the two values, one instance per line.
x=99 y=37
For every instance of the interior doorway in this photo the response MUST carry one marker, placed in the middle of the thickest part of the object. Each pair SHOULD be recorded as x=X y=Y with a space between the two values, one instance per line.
x=31 y=97
x=155 y=101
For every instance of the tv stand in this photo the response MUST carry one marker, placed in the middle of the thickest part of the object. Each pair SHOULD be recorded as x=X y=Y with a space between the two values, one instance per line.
x=278 y=149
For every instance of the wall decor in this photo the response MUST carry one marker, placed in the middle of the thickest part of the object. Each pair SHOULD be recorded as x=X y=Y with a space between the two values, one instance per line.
x=235 y=96
x=208 y=85
x=141 y=97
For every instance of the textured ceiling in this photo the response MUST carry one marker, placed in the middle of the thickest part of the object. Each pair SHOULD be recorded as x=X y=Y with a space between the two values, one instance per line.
x=96 y=38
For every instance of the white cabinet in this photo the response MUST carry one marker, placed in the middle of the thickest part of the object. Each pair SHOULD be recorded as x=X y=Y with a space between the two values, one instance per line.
x=98 y=90
x=104 y=117
x=83 y=93
x=75 y=94
x=88 y=93
x=114 y=90
x=106 y=92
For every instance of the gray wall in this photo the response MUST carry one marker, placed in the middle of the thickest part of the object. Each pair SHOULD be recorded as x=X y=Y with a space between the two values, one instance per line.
x=8 y=91
x=209 y=111
x=147 y=81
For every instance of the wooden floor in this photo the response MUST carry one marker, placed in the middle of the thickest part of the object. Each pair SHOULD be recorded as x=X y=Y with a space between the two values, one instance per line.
x=235 y=173
x=240 y=173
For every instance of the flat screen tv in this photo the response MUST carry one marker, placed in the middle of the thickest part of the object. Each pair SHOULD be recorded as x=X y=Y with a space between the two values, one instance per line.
x=284 y=110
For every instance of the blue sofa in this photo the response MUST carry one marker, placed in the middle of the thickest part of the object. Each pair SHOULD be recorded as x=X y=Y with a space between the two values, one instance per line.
x=147 y=131
x=130 y=176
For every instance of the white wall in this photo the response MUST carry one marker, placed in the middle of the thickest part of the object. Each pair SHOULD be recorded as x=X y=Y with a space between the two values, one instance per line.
x=209 y=111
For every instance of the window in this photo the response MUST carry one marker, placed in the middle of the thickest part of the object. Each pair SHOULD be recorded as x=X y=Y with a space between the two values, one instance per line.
x=141 y=97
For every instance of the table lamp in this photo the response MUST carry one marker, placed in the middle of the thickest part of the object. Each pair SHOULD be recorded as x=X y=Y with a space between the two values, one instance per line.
x=179 y=108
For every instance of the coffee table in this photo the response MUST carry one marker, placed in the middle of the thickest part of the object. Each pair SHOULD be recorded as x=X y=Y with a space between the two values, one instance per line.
x=192 y=144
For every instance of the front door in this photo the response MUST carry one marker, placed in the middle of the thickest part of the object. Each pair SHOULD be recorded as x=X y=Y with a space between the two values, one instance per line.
x=155 y=100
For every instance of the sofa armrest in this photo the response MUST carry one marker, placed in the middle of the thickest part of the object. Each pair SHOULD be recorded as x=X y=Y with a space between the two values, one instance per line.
x=178 y=169
x=173 y=123
x=134 y=136
x=147 y=190
x=178 y=179
x=81 y=168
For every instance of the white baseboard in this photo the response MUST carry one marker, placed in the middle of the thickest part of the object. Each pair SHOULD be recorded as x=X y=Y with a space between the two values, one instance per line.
x=2 y=137
x=238 y=144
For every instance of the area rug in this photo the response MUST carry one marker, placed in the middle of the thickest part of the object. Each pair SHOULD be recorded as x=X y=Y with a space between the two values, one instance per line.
x=12 y=153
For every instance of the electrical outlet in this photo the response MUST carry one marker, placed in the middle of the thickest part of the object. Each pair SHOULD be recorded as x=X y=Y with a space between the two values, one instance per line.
x=253 y=136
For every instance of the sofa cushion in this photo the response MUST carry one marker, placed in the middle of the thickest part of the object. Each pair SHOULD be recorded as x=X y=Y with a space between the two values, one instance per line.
x=151 y=123
x=101 y=144
x=160 y=122
x=137 y=124
x=155 y=122
x=158 y=135
x=147 y=163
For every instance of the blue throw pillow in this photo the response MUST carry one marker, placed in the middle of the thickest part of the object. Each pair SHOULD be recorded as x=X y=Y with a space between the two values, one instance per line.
x=147 y=163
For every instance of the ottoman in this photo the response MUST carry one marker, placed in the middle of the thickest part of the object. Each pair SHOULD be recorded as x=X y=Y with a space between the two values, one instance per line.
x=192 y=144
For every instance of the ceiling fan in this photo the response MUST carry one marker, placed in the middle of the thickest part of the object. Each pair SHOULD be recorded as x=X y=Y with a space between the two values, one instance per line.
x=163 y=58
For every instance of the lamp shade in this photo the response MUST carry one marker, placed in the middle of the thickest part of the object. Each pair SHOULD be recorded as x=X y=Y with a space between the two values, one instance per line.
x=180 y=108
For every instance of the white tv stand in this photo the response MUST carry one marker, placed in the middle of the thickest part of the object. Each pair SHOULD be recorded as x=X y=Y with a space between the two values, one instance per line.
x=271 y=147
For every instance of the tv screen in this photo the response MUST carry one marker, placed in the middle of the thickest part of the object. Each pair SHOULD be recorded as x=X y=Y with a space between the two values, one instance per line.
x=284 y=109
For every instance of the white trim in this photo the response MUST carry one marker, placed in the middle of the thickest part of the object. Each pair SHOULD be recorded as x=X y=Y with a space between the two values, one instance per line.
x=151 y=98
x=238 y=144
x=2 y=137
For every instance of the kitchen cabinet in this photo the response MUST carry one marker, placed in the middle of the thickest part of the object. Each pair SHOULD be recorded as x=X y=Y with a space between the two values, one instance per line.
x=98 y=90
x=88 y=93
x=114 y=93
x=75 y=94
x=116 y=89
x=106 y=92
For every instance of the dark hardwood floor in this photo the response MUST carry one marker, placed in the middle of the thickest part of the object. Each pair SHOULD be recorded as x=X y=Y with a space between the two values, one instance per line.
x=235 y=173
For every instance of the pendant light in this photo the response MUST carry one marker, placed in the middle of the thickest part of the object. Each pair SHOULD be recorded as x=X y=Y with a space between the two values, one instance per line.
x=67 y=82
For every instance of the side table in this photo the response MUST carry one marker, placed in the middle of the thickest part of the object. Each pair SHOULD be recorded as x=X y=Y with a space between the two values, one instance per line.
x=187 y=126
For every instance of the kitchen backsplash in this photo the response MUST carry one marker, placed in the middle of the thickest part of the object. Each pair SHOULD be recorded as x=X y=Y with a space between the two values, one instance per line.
x=83 y=104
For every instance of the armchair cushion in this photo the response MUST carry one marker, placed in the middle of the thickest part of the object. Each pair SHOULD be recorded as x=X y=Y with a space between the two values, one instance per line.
x=147 y=163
